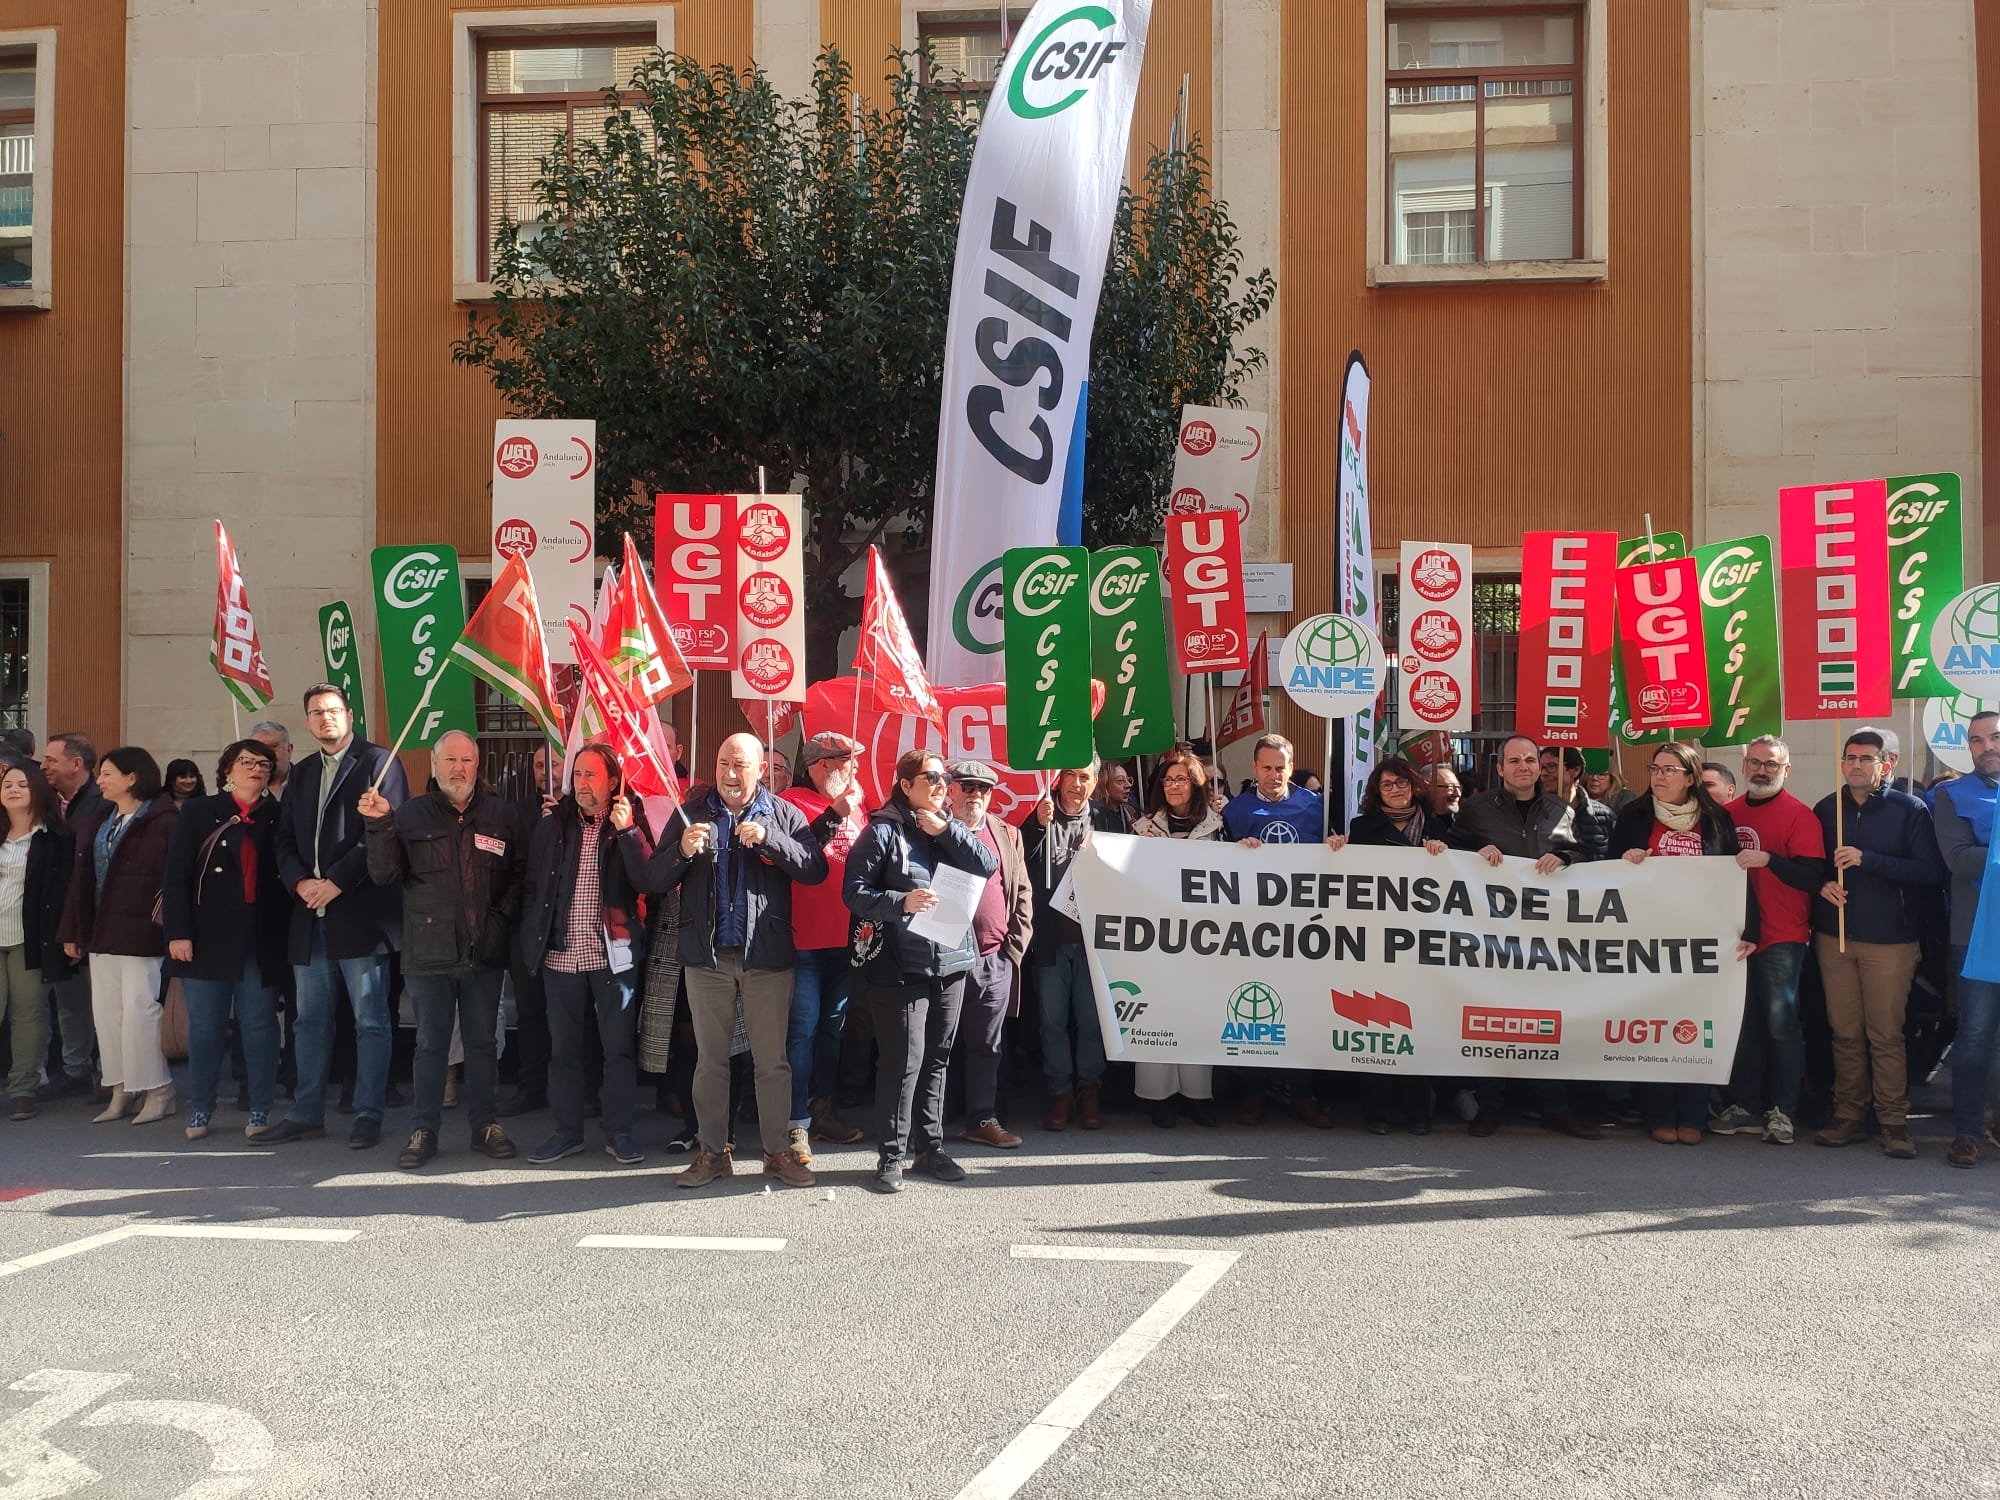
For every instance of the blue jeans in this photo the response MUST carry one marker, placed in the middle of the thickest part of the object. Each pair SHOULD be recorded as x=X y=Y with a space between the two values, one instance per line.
x=569 y=996
x=208 y=1006
x=1771 y=1039
x=366 y=981
x=472 y=998
x=812 y=1034
x=1972 y=1048
x=1062 y=984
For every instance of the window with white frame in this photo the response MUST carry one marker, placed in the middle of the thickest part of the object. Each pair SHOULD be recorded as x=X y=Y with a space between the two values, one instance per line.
x=24 y=625
x=1483 y=143
x=27 y=68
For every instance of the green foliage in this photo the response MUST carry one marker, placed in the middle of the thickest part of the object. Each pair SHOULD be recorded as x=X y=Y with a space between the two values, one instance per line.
x=725 y=278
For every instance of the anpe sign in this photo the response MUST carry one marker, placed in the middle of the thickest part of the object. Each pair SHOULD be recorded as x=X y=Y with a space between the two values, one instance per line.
x=1332 y=666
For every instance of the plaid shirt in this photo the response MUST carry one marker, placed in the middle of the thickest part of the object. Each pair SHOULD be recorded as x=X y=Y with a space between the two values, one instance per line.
x=583 y=941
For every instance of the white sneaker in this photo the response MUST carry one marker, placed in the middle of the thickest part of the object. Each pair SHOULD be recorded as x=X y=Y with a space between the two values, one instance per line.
x=1777 y=1128
x=1466 y=1103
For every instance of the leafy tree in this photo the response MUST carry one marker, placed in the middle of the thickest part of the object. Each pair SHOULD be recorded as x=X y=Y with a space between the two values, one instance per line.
x=726 y=278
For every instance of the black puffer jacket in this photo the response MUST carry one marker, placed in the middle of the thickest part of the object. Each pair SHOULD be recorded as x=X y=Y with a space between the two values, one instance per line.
x=460 y=875
x=893 y=857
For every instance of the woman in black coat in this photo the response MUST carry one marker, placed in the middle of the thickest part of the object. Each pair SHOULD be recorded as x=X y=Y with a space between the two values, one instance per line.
x=227 y=917
x=1393 y=815
x=1678 y=817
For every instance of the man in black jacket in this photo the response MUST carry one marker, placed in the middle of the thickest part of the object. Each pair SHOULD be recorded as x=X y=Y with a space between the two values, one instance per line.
x=455 y=855
x=734 y=865
x=343 y=927
x=581 y=934
x=69 y=761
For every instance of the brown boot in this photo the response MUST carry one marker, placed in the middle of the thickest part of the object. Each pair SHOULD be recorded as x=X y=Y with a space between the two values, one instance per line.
x=1841 y=1130
x=788 y=1168
x=1089 y=1114
x=993 y=1133
x=706 y=1167
x=1311 y=1111
x=1060 y=1108
x=1896 y=1142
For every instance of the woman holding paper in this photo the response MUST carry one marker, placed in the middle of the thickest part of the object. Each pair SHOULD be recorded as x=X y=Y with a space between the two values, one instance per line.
x=913 y=878
x=1678 y=817
x=1179 y=809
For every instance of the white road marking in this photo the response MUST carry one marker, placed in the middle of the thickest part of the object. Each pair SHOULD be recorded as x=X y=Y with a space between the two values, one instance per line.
x=675 y=1242
x=175 y=1232
x=1033 y=1446
x=35 y=1468
x=151 y=1157
x=240 y=1443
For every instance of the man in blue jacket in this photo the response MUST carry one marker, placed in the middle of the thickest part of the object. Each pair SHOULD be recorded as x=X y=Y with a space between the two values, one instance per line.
x=734 y=865
x=1885 y=855
x=1964 y=813
x=344 y=926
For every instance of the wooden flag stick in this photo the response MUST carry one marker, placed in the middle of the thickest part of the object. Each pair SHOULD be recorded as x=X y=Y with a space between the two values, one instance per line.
x=409 y=724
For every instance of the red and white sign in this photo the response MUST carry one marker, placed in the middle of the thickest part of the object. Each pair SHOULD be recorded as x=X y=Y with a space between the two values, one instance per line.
x=1568 y=629
x=770 y=595
x=887 y=651
x=694 y=567
x=234 y=649
x=1833 y=579
x=1246 y=710
x=1216 y=459
x=1661 y=645
x=1434 y=685
x=1205 y=577
x=545 y=510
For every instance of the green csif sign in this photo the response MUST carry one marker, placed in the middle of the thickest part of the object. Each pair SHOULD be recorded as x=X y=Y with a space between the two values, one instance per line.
x=1128 y=652
x=340 y=653
x=419 y=616
x=1739 y=618
x=1045 y=628
x=1926 y=572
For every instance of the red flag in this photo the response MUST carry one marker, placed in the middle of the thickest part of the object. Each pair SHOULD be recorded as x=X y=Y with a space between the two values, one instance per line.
x=888 y=652
x=638 y=641
x=625 y=723
x=1833 y=574
x=1662 y=646
x=234 y=650
x=504 y=647
x=1246 y=710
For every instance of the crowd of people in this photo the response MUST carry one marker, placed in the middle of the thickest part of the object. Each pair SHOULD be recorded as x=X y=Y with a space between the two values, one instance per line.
x=720 y=951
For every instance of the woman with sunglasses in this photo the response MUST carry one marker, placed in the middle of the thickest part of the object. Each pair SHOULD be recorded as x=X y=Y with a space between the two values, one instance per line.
x=913 y=984
x=1678 y=817
x=1179 y=808
x=1393 y=815
x=227 y=918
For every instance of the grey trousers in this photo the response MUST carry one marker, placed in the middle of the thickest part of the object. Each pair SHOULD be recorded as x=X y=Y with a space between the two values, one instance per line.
x=73 y=1017
x=767 y=1008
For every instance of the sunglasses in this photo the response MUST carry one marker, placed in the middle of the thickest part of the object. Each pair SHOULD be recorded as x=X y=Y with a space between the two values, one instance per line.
x=935 y=778
x=975 y=788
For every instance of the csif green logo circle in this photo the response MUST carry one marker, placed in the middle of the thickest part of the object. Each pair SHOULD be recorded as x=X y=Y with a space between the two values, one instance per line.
x=1056 y=69
x=976 y=615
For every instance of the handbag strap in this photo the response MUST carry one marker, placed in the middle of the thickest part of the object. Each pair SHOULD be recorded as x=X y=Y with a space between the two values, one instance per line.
x=207 y=848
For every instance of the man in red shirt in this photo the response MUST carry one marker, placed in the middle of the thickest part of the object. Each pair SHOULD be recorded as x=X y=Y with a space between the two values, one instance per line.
x=1785 y=853
x=835 y=813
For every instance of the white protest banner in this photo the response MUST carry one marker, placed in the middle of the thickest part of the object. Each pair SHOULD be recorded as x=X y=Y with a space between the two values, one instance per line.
x=1033 y=236
x=770 y=600
x=1216 y=457
x=1404 y=962
x=545 y=509
x=1434 y=619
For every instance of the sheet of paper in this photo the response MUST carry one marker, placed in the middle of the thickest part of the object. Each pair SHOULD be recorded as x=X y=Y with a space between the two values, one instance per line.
x=947 y=923
x=1063 y=897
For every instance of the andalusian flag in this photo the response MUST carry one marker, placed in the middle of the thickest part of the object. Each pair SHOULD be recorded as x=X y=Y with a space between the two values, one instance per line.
x=504 y=648
x=234 y=650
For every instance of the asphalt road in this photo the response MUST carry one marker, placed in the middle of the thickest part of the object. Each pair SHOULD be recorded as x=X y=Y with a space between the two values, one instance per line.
x=1521 y=1316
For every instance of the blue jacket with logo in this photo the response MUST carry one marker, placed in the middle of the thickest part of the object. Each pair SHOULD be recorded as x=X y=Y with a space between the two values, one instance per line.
x=1300 y=818
x=1963 y=809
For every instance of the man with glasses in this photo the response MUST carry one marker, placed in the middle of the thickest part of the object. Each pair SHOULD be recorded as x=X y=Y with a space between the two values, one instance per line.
x=831 y=801
x=1785 y=855
x=1963 y=808
x=1885 y=856
x=344 y=926
x=740 y=852
x=1003 y=924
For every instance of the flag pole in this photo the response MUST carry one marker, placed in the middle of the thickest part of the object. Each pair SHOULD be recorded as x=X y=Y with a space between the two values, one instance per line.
x=1839 y=830
x=694 y=724
x=409 y=724
x=1326 y=786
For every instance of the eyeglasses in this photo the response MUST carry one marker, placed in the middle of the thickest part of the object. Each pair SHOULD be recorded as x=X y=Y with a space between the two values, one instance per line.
x=1666 y=770
x=1860 y=760
x=247 y=763
x=1182 y=780
x=335 y=712
x=1393 y=784
x=1754 y=764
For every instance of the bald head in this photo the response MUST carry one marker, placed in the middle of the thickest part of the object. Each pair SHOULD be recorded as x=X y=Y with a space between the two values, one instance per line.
x=739 y=767
x=455 y=765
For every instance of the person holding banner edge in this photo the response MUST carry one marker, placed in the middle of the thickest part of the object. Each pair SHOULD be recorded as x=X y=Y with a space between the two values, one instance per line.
x=1963 y=810
x=1678 y=817
x=1179 y=809
x=1885 y=854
